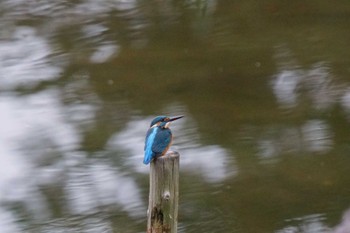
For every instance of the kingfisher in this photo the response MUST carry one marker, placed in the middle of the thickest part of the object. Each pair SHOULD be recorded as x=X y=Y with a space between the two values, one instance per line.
x=158 y=137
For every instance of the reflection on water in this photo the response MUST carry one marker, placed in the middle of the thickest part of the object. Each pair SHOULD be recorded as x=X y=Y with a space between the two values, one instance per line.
x=319 y=83
x=312 y=136
x=317 y=136
x=25 y=60
x=92 y=185
x=344 y=225
x=103 y=53
x=264 y=144
x=285 y=87
x=316 y=82
x=195 y=158
x=8 y=221
x=88 y=185
x=314 y=224
x=29 y=166
x=345 y=101
x=307 y=224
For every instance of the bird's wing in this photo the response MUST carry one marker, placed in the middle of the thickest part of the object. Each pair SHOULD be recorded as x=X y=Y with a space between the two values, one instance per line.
x=147 y=136
x=161 y=141
x=149 y=141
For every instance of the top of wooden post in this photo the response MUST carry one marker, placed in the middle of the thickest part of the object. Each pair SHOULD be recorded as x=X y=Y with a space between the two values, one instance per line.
x=170 y=154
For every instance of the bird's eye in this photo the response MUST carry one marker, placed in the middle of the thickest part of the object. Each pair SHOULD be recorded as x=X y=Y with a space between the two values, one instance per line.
x=166 y=119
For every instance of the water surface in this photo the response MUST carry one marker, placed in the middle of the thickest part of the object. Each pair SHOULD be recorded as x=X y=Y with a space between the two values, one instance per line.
x=264 y=87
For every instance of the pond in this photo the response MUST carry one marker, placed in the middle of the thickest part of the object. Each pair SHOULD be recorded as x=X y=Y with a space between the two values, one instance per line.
x=264 y=87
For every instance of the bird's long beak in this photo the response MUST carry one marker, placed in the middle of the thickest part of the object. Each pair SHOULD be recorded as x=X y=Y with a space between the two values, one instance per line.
x=175 y=118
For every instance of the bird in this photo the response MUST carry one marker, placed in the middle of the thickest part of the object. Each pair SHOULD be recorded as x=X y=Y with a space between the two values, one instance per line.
x=158 y=137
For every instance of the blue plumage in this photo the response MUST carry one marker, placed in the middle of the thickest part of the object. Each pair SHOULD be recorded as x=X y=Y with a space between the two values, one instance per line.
x=158 y=138
x=150 y=139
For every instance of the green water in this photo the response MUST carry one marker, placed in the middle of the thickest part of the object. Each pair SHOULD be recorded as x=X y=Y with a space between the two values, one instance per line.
x=264 y=86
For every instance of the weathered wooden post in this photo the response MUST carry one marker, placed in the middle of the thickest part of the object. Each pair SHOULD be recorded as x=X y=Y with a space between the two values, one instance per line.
x=163 y=194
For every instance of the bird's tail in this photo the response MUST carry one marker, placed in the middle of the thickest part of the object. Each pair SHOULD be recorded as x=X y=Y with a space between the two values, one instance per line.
x=147 y=159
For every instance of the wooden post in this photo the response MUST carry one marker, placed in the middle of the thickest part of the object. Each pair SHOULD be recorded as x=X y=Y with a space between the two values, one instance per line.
x=163 y=194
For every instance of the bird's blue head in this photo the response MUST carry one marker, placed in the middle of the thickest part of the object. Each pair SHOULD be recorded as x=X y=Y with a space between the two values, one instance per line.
x=163 y=121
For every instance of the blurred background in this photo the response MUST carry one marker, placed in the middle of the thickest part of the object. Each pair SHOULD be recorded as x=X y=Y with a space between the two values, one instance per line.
x=264 y=86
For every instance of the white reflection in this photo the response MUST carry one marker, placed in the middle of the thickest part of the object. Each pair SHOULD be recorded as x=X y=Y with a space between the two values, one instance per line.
x=93 y=30
x=315 y=224
x=92 y=224
x=285 y=87
x=97 y=185
x=14 y=171
x=313 y=136
x=320 y=88
x=103 y=53
x=344 y=226
x=42 y=115
x=38 y=119
x=267 y=148
x=7 y=222
x=317 y=136
x=91 y=7
x=211 y=162
x=345 y=100
x=293 y=82
x=32 y=131
x=25 y=60
x=105 y=50
x=62 y=8
x=277 y=141
x=83 y=101
x=37 y=149
x=306 y=224
x=125 y=4
x=24 y=8
x=131 y=140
